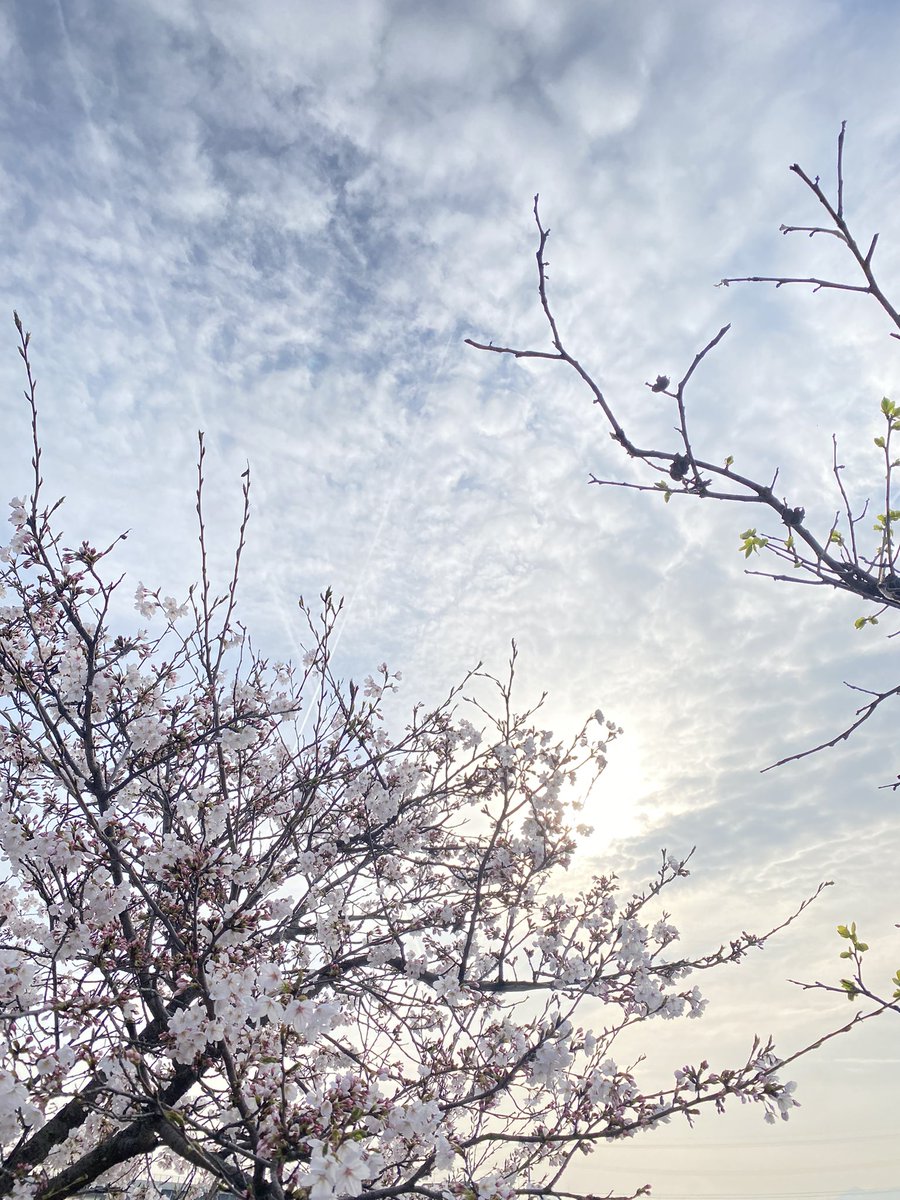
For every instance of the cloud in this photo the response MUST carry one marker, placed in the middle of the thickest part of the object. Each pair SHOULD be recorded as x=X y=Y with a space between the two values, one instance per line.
x=279 y=225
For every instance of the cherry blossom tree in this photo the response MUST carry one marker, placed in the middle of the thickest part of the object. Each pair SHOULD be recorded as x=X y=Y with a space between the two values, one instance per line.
x=249 y=937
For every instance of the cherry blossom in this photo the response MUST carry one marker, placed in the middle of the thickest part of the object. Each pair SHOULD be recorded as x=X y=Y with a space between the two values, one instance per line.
x=245 y=926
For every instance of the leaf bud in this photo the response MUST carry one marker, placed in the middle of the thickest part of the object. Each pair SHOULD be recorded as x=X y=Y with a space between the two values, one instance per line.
x=679 y=467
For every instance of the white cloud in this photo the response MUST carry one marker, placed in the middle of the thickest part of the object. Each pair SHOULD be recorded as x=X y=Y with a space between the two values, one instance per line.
x=279 y=224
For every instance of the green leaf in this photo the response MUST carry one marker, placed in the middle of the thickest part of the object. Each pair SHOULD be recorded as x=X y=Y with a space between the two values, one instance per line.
x=843 y=931
x=751 y=542
x=728 y=461
x=834 y=536
x=879 y=441
x=850 y=988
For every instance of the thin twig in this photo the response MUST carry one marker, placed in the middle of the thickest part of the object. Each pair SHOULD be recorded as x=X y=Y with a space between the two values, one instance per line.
x=863 y=715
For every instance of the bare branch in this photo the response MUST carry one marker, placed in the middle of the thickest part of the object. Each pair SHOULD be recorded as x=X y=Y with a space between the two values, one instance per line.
x=514 y=353
x=781 y=280
x=838 y=561
x=862 y=714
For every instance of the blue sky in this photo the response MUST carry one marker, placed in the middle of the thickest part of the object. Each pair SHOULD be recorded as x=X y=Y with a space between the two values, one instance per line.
x=277 y=222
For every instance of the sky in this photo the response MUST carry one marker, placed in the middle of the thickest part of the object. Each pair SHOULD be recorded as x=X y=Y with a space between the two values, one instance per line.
x=278 y=221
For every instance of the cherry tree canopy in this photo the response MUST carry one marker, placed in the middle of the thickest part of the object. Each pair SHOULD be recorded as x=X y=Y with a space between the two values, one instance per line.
x=245 y=926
